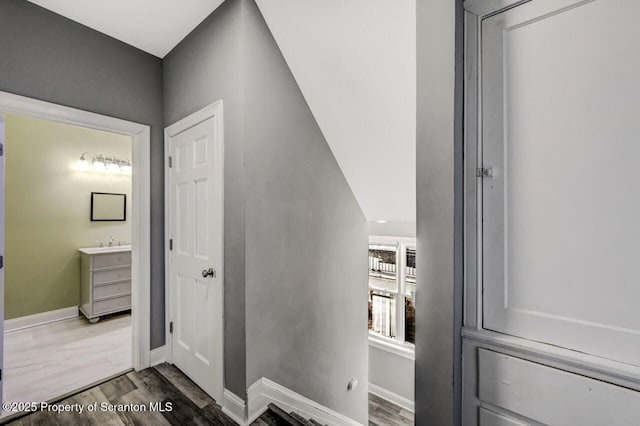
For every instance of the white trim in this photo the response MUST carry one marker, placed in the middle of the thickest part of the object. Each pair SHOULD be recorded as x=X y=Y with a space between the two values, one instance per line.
x=235 y=407
x=392 y=397
x=158 y=356
x=382 y=239
x=388 y=345
x=213 y=110
x=264 y=391
x=41 y=318
x=487 y=7
x=167 y=253
x=141 y=182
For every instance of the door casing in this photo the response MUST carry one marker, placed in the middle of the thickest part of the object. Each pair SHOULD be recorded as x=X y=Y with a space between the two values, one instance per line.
x=214 y=109
x=141 y=190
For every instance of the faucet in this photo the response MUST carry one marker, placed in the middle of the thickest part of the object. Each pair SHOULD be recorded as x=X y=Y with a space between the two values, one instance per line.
x=100 y=242
x=111 y=240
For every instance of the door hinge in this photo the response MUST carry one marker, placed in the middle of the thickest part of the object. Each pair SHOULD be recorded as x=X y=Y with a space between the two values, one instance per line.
x=1 y=262
x=171 y=244
x=171 y=327
x=1 y=149
x=484 y=172
x=170 y=162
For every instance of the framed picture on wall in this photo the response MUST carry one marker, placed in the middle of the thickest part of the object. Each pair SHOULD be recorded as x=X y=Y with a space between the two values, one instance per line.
x=108 y=207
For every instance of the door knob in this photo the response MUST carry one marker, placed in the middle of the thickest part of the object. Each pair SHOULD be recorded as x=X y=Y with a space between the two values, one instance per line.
x=208 y=273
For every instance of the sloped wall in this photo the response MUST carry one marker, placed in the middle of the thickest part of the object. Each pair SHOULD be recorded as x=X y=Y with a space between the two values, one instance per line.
x=295 y=237
x=306 y=241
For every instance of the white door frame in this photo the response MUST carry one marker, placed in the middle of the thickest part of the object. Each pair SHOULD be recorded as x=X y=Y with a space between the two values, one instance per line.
x=140 y=206
x=214 y=109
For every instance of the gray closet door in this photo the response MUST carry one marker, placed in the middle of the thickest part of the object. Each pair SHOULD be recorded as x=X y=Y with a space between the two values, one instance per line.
x=561 y=129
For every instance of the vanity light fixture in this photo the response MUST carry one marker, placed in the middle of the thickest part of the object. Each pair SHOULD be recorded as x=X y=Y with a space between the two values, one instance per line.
x=113 y=165
x=98 y=163
x=102 y=163
x=82 y=163
x=125 y=167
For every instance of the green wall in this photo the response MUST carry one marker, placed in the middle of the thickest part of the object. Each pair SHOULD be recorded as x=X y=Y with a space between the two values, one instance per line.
x=47 y=210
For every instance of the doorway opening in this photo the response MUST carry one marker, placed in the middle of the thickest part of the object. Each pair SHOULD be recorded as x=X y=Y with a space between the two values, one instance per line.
x=68 y=257
x=75 y=243
x=391 y=300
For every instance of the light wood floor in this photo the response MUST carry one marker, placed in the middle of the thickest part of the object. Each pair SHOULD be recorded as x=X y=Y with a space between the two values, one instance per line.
x=385 y=413
x=44 y=362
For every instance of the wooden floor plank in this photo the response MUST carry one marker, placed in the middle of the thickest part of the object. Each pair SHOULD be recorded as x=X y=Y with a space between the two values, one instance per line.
x=385 y=413
x=164 y=384
x=144 y=387
x=116 y=388
x=142 y=418
x=64 y=356
x=185 y=385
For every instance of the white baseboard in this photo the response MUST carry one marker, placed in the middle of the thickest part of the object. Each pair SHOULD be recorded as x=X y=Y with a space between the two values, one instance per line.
x=158 y=355
x=399 y=400
x=234 y=407
x=264 y=391
x=34 y=320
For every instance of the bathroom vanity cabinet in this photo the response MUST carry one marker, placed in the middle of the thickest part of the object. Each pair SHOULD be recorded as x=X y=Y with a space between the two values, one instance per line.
x=105 y=281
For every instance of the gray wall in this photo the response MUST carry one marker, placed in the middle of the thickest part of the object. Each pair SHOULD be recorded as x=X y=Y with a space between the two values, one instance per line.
x=392 y=372
x=203 y=68
x=306 y=242
x=439 y=157
x=295 y=237
x=48 y=57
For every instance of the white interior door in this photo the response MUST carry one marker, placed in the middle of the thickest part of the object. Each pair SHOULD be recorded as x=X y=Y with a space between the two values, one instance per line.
x=196 y=259
x=561 y=216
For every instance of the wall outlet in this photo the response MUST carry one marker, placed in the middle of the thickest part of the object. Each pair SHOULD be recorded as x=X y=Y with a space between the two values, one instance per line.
x=353 y=383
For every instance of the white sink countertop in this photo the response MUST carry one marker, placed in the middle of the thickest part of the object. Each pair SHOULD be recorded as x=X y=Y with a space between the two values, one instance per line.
x=105 y=250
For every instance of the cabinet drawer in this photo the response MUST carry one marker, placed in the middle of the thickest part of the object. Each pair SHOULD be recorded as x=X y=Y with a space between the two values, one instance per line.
x=112 y=275
x=102 y=291
x=490 y=418
x=548 y=395
x=108 y=305
x=111 y=259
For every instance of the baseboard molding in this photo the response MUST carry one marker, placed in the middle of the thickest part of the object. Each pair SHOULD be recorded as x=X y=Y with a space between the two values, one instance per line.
x=264 y=391
x=158 y=355
x=399 y=400
x=34 y=320
x=234 y=407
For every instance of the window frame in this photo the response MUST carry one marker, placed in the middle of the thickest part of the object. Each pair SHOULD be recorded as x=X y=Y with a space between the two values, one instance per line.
x=376 y=339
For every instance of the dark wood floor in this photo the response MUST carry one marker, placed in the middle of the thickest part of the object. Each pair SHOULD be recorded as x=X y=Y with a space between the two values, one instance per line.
x=190 y=405
x=161 y=384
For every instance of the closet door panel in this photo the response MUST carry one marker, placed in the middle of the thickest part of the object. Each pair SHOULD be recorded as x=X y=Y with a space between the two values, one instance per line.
x=561 y=211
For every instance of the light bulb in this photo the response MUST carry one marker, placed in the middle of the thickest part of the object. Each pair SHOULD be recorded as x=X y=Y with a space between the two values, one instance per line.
x=82 y=164
x=98 y=164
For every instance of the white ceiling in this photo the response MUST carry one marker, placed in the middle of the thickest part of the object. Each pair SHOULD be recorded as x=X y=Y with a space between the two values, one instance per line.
x=355 y=62
x=155 y=26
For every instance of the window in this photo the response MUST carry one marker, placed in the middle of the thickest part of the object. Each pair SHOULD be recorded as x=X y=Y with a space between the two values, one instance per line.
x=392 y=290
